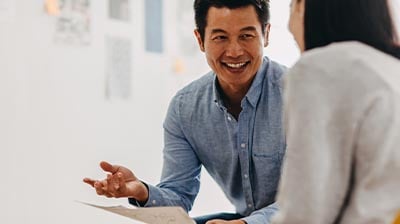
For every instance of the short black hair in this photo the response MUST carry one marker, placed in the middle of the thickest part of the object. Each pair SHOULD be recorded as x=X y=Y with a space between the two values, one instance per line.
x=367 y=21
x=201 y=8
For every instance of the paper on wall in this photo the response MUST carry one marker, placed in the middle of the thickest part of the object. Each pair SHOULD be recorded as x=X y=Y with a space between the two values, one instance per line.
x=150 y=215
x=73 y=25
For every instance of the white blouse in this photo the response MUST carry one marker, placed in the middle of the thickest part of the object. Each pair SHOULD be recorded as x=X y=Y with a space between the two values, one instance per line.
x=342 y=114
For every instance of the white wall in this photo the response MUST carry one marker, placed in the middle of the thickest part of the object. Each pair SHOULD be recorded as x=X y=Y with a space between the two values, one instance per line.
x=56 y=123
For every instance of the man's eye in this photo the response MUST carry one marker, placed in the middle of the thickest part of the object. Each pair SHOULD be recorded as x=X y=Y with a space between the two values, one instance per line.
x=219 y=38
x=246 y=36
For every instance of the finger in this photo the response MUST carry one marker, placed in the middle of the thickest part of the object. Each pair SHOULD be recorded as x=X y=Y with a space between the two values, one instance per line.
x=110 y=185
x=114 y=186
x=114 y=182
x=99 y=188
x=103 y=189
x=120 y=180
x=108 y=167
x=89 y=181
x=105 y=186
x=108 y=195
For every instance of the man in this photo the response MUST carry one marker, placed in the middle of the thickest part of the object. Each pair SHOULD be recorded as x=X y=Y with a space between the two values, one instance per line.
x=228 y=121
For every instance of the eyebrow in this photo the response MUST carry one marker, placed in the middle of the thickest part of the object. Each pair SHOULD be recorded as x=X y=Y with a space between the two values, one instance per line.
x=213 y=31
x=247 y=28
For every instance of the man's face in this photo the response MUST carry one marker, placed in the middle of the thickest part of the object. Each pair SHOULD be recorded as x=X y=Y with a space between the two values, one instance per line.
x=233 y=44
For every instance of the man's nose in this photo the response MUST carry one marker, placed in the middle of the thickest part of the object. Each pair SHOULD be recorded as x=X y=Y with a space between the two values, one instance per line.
x=234 y=49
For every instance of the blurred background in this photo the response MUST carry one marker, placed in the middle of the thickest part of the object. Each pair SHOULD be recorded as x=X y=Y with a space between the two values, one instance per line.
x=88 y=80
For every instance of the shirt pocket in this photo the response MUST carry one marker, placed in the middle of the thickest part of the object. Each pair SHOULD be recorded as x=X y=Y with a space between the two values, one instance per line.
x=273 y=152
x=266 y=171
x=268 y=162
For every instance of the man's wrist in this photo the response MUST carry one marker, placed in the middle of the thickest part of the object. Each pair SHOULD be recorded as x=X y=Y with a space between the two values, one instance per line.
x=144 y=195
x=140 y=201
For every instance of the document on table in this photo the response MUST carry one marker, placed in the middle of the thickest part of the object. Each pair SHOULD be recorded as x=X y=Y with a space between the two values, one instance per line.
x=150 y=215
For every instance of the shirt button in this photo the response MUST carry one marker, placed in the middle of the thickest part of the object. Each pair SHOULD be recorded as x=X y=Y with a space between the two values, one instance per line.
x=249 y=205
x=229 y=118
x=245 y=176
x=153 y=202
x=243 y=145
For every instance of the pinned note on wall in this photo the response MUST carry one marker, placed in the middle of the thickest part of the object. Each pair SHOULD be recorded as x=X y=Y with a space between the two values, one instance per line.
x=73 y=23
x=119 y=9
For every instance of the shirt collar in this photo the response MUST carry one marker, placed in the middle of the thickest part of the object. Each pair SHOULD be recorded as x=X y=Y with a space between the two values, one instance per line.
x=253 y=95
x=216 y=93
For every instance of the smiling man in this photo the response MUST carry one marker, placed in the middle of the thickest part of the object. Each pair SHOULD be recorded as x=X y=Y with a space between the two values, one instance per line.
x=229 y=122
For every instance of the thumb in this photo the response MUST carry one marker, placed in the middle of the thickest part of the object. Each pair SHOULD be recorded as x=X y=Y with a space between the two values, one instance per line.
x=108 y=167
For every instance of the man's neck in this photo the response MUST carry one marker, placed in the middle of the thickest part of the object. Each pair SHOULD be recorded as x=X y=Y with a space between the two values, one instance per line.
x=232 y=97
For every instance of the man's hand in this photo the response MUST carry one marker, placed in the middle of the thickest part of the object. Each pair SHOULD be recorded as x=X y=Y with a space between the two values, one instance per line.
x=220 y=221
x=120 y=182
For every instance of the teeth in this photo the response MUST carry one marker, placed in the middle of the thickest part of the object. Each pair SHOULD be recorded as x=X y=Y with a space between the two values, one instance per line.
x=236 y=65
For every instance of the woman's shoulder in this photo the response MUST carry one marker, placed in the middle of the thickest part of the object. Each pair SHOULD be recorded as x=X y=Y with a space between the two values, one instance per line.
x=347 y=52
x=350 y=57
x=348 y=66
x=336 y=52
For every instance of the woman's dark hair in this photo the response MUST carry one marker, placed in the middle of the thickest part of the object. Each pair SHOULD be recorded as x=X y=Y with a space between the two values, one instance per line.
x=201 y=8
x=367 y=21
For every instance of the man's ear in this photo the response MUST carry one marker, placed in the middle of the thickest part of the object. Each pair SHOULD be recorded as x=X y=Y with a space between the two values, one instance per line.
x=266 y=34
x=199 y=40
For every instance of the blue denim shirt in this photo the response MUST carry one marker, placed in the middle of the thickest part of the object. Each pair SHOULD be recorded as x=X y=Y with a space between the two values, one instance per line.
x=244 y=156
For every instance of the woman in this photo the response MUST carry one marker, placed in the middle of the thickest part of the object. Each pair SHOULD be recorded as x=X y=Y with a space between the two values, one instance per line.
x=342 y=110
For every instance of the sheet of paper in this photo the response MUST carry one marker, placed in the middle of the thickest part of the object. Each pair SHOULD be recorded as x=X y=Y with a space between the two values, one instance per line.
x=151 y=215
